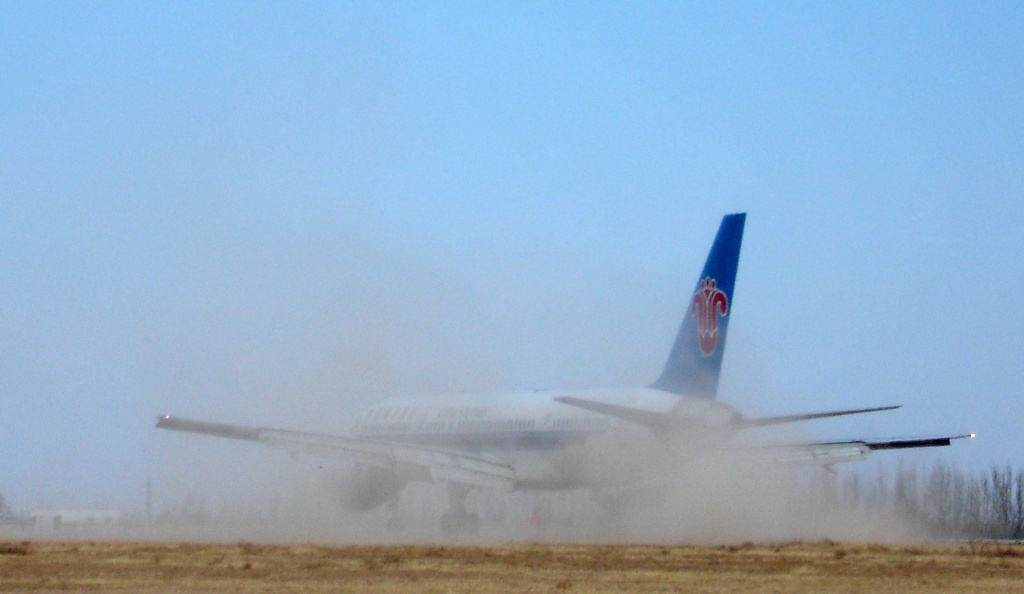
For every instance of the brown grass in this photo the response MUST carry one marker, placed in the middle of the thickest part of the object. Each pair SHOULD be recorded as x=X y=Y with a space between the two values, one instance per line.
x=243 y=567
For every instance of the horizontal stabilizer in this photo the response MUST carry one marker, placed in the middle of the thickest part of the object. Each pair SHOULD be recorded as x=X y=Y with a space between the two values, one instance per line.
x=765 y=421
x=652 y=420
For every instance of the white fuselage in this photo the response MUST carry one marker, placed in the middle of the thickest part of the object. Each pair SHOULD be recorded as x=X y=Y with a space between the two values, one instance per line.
x=550 y=444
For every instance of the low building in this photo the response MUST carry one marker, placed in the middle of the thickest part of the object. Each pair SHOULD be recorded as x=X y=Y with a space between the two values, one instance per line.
x=50 y=520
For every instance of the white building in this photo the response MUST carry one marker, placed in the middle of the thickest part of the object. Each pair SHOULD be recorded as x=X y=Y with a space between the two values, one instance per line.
x=53 y=519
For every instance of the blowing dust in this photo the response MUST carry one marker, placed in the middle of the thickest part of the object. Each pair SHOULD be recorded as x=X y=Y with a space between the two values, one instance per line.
x=736 y=496
x=713 y=499
x=312 y=360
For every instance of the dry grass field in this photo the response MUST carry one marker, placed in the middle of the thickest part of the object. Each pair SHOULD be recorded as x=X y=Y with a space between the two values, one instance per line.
x=27 y=566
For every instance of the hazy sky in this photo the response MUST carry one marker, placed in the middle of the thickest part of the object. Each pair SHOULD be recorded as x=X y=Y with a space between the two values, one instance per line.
x=277 y=213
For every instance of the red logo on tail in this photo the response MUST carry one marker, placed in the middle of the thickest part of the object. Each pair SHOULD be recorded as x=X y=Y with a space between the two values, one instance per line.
x=708 y=303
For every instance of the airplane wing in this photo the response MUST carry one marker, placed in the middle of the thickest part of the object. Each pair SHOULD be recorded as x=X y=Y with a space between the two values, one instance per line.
x=413 y=463
x=835 y=452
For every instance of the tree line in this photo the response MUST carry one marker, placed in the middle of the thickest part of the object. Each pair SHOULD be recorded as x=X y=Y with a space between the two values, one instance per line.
x=941 y=500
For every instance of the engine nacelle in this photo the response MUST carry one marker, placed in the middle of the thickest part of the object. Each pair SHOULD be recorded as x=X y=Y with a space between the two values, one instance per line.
x=366 y=488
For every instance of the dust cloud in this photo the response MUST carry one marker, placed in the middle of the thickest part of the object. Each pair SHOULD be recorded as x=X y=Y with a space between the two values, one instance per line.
x=308 y=350
x=713 y=499
x=735 y=496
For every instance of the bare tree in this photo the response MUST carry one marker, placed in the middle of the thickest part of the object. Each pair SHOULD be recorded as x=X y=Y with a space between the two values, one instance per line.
x=946 y=502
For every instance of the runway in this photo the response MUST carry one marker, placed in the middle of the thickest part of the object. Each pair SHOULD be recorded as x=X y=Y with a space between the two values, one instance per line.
x=38 y=565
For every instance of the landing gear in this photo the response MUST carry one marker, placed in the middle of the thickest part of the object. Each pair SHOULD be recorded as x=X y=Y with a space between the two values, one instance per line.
x=459 y=522
x=611 y=521
x=453 y=524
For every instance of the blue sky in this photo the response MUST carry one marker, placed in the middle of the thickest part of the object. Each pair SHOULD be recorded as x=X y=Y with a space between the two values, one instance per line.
x=278 y=213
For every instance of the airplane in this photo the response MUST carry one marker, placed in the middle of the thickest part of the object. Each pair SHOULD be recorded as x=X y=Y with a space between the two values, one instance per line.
x=562 y=439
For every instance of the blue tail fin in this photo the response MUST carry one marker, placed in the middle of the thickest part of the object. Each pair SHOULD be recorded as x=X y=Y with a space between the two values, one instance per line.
x=696 y=357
